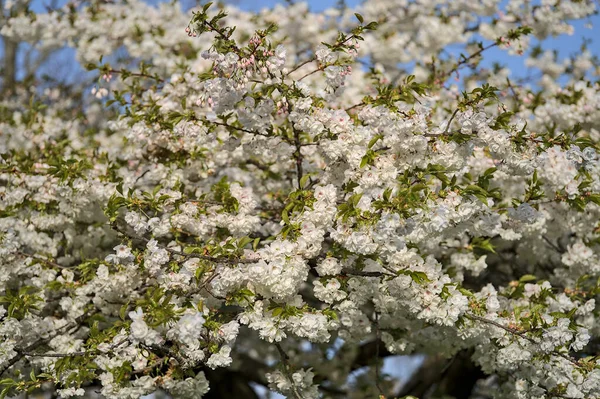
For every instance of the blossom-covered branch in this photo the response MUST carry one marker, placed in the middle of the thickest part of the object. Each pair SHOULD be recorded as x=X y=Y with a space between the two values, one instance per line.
x=258 y=181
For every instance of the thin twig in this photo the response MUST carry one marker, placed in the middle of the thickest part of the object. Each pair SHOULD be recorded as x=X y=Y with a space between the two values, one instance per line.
x=554 y=246
x=466 y=60
x=361 y=273
x=138 y=74
x=222 y=35
x=521 y=334
x=314 y=58
x=43 y=260
x=354 y=106
x=450 y=121
x=21 y=352
x=216 y=259
x=286 y=367
x=81 y=353
x=512 y=89
x=301 y=65
x=241 y=129
x=298 y=156
x=312 y=72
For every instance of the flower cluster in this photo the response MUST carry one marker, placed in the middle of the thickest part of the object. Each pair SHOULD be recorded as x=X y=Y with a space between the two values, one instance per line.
x=282 y=198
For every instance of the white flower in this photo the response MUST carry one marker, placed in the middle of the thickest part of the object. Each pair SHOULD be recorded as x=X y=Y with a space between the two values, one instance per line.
x=189 y=388
x=136 y=221
x=220 y=359
x=71 y=392
x=524 y=212
x=189 y=328
x=329 y=267
x=228 y=332
x=140 y=332
x=123 y=251
x=330 y=292
x=323 y=54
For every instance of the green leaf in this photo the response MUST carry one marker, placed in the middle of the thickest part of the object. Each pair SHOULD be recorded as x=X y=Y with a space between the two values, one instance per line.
x=387 y=194
x=277 y=312
x=484 y=244
x=526 y=278
x=123 y=310
x=365 y=160
x=303 y=181
x=476 y=189
x=419 y=277
x=372 y=25
x=285 y=217
x=192 y=250
x=242 y=242
x=489 y=172
x=359 y=17
x=418 y=187
x=356 y=199
x=595 y=198
x=375 y=140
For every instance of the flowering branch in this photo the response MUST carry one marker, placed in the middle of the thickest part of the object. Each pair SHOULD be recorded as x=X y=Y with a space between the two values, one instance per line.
x=286 y=370
x=218 y=259
x=521 y=334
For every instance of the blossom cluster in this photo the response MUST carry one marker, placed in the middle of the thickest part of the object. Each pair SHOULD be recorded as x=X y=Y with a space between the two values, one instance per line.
x=273 y=195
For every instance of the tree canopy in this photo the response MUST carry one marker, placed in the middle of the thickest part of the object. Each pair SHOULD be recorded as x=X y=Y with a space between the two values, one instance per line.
x=230 y=199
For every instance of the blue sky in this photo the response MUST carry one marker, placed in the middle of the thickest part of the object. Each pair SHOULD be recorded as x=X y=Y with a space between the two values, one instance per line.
x=565 y=45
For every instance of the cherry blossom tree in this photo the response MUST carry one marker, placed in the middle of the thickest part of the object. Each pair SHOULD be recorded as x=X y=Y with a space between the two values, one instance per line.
x=286 y=198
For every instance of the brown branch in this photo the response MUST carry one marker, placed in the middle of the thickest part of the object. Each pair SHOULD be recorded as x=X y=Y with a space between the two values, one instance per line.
x=312 y=72
x=222 y=35
x=149 y=368
x=552 y=245
x=514 y=93
x=466 y=60
x=43 y=260
x=450 y=121
x=298 y=156
x=81 y=353
x=360 y=273
x=301 y=65
x=137 y=74
x=360 y=104
x=22 y=352
x=314 y=58
x=241 y=129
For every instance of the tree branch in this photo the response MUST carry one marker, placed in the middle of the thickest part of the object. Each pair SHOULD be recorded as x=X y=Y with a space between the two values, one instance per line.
x=521 y=334
x=286 y=369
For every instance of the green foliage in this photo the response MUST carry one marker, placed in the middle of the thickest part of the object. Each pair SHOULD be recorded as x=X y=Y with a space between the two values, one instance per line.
x=21 y=302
